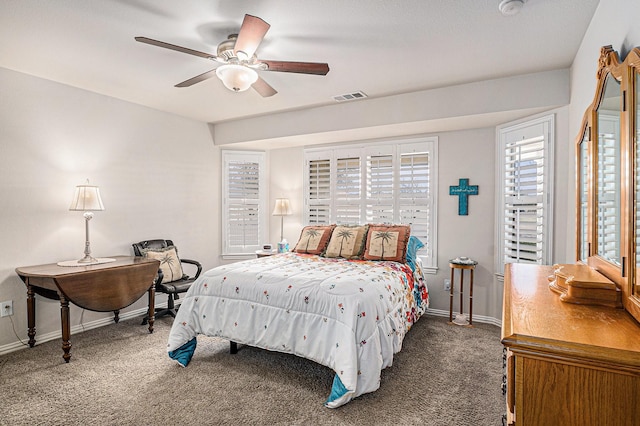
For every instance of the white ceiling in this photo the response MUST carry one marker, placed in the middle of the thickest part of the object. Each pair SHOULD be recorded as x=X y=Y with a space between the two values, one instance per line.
x=380 y=47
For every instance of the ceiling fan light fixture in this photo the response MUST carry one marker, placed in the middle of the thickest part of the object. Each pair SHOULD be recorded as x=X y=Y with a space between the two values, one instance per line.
x=237 y=56
x=236 y=77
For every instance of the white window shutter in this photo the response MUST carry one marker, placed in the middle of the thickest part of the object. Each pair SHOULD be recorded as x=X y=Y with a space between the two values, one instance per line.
x=318 y=197
x=526 y=181
x=413 y=194
x=244 y=208
x=524 y=200
x=386 y=182
x=380 y=203
x=348 y=191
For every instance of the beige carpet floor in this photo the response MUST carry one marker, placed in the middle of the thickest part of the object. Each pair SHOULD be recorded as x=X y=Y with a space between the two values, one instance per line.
x=121 y=375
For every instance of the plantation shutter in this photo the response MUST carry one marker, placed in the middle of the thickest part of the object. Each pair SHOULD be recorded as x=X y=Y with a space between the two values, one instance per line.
x=376 y=183
x=348 y=190
x=380 y=194
x=413 y=194
x=526 y=168
x=524 y=196
x=319 y=191
x=243 y=206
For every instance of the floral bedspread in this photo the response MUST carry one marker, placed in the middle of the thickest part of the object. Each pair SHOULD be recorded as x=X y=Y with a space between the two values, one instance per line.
x=350 y=316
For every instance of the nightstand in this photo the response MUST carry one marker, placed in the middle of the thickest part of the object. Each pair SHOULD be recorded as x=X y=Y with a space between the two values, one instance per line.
x=263 y=253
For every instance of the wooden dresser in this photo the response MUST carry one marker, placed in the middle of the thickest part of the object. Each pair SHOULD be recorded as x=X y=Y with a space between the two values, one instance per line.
x=567 y=364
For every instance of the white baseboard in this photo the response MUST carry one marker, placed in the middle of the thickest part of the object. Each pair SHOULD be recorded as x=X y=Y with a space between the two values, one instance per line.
x=476 y=318
x=41 y=338
x=12 y=347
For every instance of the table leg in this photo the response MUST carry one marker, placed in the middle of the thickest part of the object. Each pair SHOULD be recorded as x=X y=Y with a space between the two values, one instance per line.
x=152 y=306
x=451 y=297
x=66 y=328
x=471 y=299
x=461 y=290
x=31 y=315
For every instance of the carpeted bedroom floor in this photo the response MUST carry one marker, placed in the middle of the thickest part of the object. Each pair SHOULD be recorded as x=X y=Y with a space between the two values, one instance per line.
x=121 y=375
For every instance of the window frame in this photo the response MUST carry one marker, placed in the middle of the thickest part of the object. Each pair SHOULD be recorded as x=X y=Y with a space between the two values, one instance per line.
x=505 y=132
x=325 y=210
x=259 y=157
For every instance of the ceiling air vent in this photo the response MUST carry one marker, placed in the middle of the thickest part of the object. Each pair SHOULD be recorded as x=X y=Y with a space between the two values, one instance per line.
x=350 y=96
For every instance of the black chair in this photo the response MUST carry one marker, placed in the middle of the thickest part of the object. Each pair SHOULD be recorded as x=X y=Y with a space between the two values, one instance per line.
x=173 y=288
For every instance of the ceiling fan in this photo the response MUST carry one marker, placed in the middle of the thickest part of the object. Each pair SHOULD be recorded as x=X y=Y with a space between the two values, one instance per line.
x=239 y=61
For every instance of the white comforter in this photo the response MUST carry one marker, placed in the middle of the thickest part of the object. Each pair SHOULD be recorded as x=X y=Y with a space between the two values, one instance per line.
x=350 y=316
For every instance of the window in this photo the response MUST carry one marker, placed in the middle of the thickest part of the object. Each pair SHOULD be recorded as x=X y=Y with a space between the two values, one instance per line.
x=525 y=160
x=318 y=192
x=244 y=208
x=386 y=182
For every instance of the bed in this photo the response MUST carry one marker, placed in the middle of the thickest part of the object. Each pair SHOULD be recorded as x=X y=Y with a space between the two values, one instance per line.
x=350 y=315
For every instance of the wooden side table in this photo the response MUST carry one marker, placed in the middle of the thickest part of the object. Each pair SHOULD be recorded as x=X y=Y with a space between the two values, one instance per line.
x=97 y=287
x=461 y=264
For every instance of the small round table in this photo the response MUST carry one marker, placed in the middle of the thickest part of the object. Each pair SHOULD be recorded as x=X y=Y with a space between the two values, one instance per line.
x=461 y=263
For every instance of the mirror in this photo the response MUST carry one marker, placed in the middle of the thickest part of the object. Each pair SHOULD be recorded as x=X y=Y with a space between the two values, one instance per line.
x=608 y=178
x=608 y=172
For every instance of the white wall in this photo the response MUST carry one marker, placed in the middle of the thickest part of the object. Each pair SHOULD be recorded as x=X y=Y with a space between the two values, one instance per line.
x=467 y=154
x=465 y=106
x=158 y=175
x=286 y=170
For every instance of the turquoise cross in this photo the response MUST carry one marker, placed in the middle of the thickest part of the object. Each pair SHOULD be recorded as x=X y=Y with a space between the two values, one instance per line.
x=463 y=190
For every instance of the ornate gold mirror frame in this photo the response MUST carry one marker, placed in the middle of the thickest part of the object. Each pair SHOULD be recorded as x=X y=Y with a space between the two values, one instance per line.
x=608 y=177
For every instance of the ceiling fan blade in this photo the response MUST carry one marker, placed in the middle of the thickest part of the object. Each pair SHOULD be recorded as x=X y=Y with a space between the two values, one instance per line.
x=263 y=88
x=197 y=79
x=174 y=47
x=298 y=67
x=250 y=36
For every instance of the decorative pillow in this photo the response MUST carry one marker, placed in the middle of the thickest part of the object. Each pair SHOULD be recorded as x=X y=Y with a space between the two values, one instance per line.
x=387 y=242
x=169 y=262
x=412 y=251
x=347 y=241
x=314 y=239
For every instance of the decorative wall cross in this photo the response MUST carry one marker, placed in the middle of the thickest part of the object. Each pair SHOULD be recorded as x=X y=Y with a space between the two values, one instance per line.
x=463 y=190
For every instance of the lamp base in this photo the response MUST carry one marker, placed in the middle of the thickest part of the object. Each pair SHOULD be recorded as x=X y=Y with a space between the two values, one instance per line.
x=88 y=259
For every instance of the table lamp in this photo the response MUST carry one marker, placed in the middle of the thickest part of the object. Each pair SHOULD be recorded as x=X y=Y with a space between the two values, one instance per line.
x=87 y=199
x=282 y=209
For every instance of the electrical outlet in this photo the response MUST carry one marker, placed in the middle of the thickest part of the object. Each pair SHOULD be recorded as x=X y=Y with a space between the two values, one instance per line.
x=447 y=284
x=7 y=308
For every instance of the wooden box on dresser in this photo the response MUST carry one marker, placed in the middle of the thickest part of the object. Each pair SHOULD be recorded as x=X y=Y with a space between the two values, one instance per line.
x=567 y=364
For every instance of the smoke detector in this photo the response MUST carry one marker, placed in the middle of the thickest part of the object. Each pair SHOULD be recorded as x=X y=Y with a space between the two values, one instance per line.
x=511 y=7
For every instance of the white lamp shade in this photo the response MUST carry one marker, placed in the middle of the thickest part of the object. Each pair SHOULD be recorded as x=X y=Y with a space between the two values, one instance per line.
x=86 y=198
x=282 y=208
x=236 y=77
